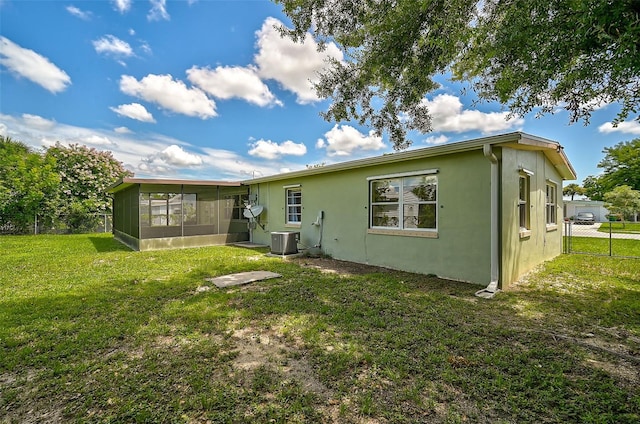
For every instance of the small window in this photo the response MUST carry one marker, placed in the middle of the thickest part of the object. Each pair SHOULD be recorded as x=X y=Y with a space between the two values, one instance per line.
x=550 y=204
x=234 y=205
x=294 y=206
x=404 y=203
x=523 y=202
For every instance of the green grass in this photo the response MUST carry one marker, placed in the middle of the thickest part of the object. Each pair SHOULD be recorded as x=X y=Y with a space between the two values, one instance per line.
x=620 y=227
x=604 y=246
x=92 y=332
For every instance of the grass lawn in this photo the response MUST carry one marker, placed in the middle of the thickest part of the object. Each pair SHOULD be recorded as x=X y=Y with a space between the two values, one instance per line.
x=601 y=246
x=93 y=332
x=620 y=227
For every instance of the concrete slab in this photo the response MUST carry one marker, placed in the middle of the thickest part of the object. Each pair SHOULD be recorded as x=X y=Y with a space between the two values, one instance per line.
x=241 y=278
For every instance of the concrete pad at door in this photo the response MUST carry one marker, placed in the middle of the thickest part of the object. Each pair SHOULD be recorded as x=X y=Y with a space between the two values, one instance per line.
x=241 y=278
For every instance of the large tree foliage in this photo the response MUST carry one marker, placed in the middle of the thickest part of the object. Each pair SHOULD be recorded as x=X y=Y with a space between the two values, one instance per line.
x=593 y=188
x=621 y=166
x=85 y=175
x=525 y=54
x=572 y=189
x=624 y=201
x=28 y=186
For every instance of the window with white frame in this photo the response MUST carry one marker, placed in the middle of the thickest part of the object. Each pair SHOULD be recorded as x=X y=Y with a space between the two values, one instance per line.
x=404 y=202
x=550 y=203
x=294 y=205
x=524 y=201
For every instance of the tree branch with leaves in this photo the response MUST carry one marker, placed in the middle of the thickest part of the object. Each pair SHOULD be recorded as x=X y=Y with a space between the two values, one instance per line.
x=526 y=54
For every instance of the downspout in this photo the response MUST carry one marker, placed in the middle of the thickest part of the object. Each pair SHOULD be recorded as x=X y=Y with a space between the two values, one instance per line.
x=492 y=288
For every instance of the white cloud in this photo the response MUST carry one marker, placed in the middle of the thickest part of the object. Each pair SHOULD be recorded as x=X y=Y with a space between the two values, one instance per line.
x=344 y=140
x=268 y=149
x=231 y=165
x=626 y=127
x=447 y=115
x=294 y=65
x=134 y=111
x=158 y=11
x=145 y=47
x=111 y=45
x=122 y=130
x=38 y=122
x=440 y=139
x=85 y=16
x=169 y=94
x=33 y=66
x=96 y=140
x=122 y=6
x=149 y=155
x=226 y=82
x=176 y=155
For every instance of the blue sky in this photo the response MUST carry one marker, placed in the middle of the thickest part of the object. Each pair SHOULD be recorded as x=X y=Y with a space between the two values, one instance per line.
x=208 y=89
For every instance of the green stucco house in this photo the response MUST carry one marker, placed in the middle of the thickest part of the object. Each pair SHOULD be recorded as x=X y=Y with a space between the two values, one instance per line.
x=484 y=211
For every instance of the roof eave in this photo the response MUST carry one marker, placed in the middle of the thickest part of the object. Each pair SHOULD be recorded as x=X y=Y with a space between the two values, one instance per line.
x=460 y=146
x=128 y=182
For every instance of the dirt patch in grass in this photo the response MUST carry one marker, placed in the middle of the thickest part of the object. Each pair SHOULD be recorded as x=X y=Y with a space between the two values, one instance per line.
x=257 y=349
x=342 y=268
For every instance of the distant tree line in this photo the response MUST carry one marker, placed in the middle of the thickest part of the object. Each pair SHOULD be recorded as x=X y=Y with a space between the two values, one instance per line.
x=61 y=185
x=619 y=183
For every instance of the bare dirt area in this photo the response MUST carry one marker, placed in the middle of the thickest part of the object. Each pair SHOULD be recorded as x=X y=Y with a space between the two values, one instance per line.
x=341 y=268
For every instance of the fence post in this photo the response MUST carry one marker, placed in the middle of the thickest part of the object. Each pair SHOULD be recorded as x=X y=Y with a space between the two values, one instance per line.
x=610 y=237
x=35 y=226
x=567 y=236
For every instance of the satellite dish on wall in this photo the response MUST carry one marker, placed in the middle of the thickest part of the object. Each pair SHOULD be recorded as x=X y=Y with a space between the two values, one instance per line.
x=253 y=211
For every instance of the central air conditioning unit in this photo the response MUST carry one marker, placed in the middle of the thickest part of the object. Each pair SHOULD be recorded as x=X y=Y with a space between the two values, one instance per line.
x=284 y=242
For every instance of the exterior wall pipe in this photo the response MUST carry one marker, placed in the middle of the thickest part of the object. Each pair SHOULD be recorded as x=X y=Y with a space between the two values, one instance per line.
x=492 y=288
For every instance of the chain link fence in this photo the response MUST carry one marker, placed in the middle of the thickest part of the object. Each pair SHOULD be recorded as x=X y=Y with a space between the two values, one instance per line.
x=92 y=223
x=617 y=238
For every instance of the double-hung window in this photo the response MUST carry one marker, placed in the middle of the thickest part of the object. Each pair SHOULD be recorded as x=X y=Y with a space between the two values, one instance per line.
x=294 y=205
x=550 y=204
x=524 y=200
x=404 y=202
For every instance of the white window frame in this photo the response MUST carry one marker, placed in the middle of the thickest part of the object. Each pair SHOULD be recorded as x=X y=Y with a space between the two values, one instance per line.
x=401 y=227
x=292 y=192
x=551 y=204
x=524 y=202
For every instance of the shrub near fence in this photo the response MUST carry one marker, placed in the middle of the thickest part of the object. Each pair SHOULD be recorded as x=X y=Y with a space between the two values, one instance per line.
x=95 y=223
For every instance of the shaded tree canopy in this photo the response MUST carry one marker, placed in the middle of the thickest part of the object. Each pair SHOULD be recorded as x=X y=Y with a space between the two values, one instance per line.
x=572 y=189
x=60 y=185
x=526 y=54
x=621 y=166
x=28 y=185
x=623 y=200
x=86 y=174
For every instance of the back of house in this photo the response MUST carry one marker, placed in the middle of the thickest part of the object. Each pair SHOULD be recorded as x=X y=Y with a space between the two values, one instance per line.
x=476 y=211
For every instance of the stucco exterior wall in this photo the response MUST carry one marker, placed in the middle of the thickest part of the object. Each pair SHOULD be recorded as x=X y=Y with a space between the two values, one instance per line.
x=522 y=251
x=460 y=251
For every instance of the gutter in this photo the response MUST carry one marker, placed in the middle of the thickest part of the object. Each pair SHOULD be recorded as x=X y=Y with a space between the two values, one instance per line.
x=491 y=290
